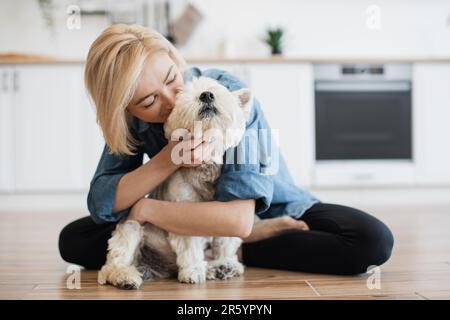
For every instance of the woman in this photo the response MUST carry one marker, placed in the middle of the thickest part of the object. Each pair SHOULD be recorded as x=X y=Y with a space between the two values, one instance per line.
x=133 y=74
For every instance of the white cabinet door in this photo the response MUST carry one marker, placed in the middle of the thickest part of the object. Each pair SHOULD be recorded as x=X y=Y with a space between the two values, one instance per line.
x=48 y=118
x=285 y=92
x=431 y=120
x=6 y=129
x=92 y=141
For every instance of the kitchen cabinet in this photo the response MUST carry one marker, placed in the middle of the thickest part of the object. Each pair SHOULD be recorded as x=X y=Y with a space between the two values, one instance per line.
x=285 y=92
x=50 y=141
x=6 y=129
x=49 y=138
x=47 y=117
x=92 y=141
x=431 y=120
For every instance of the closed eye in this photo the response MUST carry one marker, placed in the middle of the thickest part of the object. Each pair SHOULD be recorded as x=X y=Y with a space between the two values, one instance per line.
x=154 y=99
x=149 y=105
x=173 y=79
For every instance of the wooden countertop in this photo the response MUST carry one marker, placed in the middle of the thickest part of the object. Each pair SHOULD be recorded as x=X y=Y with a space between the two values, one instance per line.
x=17 y=58
x=40 y=59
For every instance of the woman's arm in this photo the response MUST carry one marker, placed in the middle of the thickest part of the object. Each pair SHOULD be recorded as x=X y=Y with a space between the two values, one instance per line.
x=212 y=218
x=102 y=190
x=139 y=182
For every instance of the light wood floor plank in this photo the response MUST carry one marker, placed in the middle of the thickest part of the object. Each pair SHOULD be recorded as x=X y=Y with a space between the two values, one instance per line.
x=30 y=266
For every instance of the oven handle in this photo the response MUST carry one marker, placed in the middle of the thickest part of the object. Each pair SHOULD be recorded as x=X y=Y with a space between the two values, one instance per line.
x=350 y=86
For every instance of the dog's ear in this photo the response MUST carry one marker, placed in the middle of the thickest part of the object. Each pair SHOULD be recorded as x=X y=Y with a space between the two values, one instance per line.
x=245 y=98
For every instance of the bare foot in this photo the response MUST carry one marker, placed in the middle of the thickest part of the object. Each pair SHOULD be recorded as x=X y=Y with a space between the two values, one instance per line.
x=263 y=229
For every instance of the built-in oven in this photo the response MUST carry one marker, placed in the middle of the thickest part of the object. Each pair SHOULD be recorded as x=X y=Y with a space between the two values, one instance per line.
x=363 y=123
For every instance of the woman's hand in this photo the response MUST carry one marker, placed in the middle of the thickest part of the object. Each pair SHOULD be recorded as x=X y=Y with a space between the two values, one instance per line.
x=137 y=212
x=189 y=153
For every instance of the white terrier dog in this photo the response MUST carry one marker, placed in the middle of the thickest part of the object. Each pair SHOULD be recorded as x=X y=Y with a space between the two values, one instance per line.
x=137 y=253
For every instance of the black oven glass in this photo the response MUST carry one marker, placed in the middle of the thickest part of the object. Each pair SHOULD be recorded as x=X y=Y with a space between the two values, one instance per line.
x=363 y=125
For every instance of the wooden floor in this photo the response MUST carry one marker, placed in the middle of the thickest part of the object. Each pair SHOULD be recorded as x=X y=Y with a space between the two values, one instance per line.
x=30 y=266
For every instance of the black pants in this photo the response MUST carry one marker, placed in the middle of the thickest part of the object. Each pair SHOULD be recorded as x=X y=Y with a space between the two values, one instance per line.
x=341 y=240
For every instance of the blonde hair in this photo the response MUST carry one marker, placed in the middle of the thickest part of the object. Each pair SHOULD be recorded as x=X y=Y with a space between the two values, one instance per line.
x=113 y=65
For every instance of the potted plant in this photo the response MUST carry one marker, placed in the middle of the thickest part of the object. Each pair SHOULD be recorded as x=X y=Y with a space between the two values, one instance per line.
x=274 y=38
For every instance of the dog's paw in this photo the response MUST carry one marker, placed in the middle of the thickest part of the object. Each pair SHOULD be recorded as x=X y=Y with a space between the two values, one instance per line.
x=224 y=269
x=122 y=277
x=194 y=275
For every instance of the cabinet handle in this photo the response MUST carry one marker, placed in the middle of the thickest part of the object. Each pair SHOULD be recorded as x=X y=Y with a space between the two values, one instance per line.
x=16 y=81
x=5 y=81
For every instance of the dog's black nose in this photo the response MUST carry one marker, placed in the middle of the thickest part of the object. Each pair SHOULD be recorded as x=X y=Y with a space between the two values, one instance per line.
x=207 y=97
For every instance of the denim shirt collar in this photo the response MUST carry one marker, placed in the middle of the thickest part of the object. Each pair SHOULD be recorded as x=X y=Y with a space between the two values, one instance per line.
x=143 y=126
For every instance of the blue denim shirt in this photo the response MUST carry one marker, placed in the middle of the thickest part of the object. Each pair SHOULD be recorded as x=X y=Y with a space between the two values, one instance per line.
x=275 y=192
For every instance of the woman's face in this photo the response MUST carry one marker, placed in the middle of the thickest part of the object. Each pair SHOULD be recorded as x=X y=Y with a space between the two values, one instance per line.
x=158 y=84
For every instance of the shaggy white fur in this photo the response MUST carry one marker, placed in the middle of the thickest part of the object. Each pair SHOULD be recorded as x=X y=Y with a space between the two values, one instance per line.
x=135 y=253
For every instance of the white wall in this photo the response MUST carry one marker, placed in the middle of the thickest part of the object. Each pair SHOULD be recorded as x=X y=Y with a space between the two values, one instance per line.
x=22 y=29
x=321 y=28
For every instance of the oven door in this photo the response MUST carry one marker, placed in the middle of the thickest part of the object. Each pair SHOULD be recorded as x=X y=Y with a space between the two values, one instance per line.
x=363 y=120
